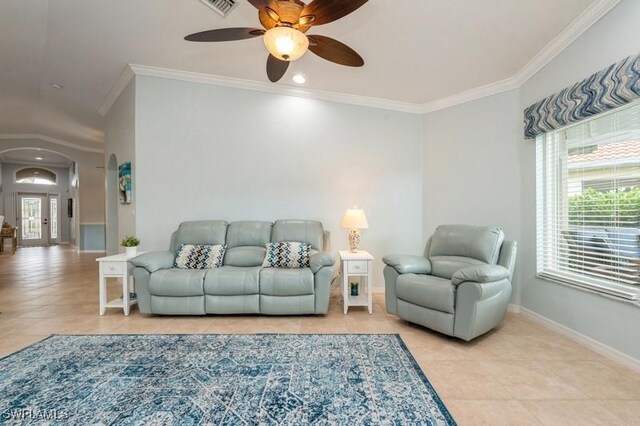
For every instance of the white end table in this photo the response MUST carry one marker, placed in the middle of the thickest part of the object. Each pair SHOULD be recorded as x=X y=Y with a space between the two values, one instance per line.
x=116 y=266
x=358 y=264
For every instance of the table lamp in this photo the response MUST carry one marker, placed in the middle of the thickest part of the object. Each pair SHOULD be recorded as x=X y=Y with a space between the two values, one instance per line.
x=354 y=220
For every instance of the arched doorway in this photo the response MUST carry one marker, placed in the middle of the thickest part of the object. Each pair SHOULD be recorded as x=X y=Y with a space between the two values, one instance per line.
x=36 y=186
x=112 y=205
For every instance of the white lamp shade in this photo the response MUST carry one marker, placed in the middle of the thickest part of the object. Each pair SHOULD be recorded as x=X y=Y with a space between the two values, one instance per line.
x=355 y=219
x=286 y=44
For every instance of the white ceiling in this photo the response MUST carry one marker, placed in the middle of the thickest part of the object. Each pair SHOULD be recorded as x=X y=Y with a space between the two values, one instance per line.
x=415 y=51
x=28 y=156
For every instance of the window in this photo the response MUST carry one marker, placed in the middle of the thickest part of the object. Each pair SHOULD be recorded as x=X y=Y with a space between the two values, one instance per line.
x=53 y=215
x=588 y=203
x=36 y=176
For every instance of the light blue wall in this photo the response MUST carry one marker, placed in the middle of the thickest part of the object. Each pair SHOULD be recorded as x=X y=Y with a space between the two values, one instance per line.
x=92 y=237
x=611 y=322
x=209 y=152
x=120 y=142
x=470 y=175
x=479 y=169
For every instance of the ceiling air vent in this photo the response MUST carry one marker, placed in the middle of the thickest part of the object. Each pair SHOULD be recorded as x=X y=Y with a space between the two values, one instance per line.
x=222 y=7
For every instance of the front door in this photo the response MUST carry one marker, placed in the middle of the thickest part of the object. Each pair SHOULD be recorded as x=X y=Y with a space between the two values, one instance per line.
x=33 y=219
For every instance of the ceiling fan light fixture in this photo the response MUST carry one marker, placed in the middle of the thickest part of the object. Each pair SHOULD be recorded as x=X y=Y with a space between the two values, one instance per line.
x=286 y=43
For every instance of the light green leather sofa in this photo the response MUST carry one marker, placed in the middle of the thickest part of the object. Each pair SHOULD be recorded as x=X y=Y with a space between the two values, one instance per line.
x=460 y=287
x=241 y=285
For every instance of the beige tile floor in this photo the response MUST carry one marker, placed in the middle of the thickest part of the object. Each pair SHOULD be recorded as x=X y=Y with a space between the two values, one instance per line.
x=519 y=374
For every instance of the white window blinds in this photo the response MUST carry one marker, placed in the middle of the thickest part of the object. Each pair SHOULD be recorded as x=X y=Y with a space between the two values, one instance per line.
x=588 y=203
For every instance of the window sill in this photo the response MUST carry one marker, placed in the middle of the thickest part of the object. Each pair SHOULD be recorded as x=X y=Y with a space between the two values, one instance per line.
x=618 y=292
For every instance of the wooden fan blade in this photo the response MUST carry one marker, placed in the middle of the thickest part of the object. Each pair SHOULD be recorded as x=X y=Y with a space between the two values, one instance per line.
x=262 y=4
x=326 y=11
x=334 y=51
x=276 y=68
x=258 y=4
x=225 y=34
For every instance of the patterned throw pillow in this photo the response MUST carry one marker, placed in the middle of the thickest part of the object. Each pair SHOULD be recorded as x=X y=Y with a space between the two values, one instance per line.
x=199 y=256
x=287 y=255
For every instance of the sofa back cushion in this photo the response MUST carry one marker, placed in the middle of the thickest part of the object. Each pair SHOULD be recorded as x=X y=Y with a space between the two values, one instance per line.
x=206 y=232
x=303 y=231
x=246 y=242
x=453 y=247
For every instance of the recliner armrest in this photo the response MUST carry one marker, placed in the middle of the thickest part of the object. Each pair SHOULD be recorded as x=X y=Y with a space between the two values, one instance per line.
x=407 y=264
x=154 y=261
x=480 y=274
x=320 y=260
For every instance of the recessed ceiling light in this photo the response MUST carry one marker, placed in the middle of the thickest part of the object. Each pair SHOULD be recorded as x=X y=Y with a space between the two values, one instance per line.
x=39 y=158
x=57 y=86
x=299 y=78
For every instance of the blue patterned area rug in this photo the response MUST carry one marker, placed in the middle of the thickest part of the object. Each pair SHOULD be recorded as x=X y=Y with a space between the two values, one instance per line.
x=270 y=379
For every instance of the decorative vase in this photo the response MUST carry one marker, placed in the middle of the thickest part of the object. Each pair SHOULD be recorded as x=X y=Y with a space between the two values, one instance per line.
x=354 y=289
x=131 y=251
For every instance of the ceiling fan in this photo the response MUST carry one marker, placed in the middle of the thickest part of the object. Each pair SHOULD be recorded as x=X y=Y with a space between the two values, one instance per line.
x=285 y=23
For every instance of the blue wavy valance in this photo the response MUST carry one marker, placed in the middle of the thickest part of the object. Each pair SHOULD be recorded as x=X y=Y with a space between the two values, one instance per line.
x=607 y=89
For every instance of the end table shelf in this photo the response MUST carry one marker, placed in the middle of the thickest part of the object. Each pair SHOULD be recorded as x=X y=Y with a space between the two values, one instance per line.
x=357 y=264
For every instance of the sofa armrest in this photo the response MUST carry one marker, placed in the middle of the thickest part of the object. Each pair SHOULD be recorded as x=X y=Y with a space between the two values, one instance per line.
x=320 y=260
x=154 y=261
x=407 y=264
x=480 y=274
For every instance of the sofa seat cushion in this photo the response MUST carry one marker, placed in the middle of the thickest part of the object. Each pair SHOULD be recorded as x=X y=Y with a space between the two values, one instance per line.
x=232 y=281
x=427 y=291
x=286 y=282
x=177 y=282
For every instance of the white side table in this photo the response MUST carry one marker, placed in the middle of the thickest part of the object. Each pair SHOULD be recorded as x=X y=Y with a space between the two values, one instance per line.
x=116 y=266
x=358 y=264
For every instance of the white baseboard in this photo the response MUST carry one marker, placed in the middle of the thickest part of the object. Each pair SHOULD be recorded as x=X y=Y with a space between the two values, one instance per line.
x=594 y=345
x=513 y=308
x=91 y=251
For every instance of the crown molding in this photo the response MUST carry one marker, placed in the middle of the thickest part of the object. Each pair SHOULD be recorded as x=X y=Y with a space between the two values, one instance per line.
x=470 y=95
x=575 y=29
x=44 y=138
x=121 y=83
x=42 y=164
x=194 y=77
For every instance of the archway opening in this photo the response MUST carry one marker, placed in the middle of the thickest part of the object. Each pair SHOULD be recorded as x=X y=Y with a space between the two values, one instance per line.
x=36 y=183
x=112 y=205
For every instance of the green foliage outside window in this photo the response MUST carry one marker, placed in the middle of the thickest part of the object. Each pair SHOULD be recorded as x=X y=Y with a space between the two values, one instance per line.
x=608 y=209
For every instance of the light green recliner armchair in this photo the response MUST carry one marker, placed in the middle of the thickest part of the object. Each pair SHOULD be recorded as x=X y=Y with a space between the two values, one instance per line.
x=460 y=287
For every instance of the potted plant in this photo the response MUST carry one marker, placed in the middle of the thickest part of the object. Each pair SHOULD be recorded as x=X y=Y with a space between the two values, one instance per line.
x=130 y=244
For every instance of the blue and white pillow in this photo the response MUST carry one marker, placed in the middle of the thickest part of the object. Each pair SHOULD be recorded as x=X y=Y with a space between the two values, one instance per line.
x=287 y=254
x=199 y=256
